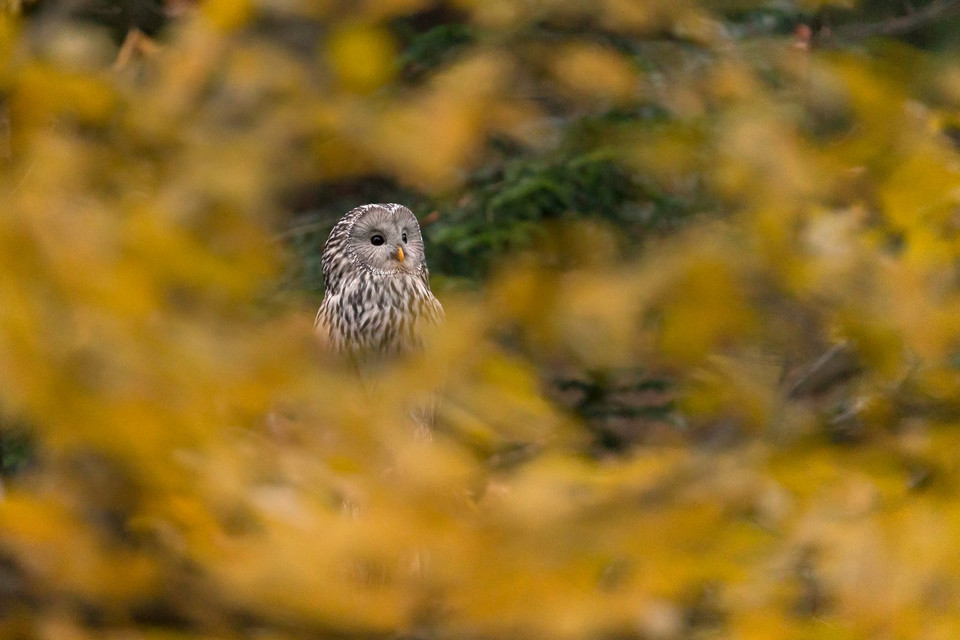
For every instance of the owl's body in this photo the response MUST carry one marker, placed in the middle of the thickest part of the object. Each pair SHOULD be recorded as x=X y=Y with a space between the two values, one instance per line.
x=377 y=296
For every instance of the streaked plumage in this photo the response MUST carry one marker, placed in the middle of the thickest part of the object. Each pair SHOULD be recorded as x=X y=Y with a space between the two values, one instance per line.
x=377 y=295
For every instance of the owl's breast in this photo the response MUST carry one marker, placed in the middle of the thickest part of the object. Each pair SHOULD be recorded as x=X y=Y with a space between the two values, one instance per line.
x=378 y=313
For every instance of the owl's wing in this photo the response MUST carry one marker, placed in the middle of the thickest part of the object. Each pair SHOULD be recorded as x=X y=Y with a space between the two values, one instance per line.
x=431 y=309
x=318 y=319
x=322 y=328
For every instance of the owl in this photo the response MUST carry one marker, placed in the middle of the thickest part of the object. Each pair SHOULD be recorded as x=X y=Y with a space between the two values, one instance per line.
x=377 y=297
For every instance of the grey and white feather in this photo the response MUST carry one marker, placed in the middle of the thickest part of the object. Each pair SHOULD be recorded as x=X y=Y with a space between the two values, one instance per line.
x=377 y=299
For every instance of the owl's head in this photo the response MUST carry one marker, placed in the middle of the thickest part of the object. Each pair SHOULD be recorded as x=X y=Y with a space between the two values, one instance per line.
x=386 y=238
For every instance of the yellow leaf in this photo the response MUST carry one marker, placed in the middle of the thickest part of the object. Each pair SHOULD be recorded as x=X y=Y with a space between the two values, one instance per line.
x=589 y=70
x=228 y=15
x=362 y=57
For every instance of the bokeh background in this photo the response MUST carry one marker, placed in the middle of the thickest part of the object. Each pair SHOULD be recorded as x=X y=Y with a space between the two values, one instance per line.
x=699 y=376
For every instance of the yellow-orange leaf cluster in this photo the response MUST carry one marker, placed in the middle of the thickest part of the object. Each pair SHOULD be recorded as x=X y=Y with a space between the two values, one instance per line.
x=201 y=468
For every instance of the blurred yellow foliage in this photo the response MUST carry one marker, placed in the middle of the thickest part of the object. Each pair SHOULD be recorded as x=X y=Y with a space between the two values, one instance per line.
x=204 y=470
x=586 y=71
x=362 y=57
x=228 y=14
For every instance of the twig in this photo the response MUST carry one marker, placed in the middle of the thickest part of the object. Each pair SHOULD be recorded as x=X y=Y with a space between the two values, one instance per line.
x=902 y=24
x=300 y=230
x=135 y=42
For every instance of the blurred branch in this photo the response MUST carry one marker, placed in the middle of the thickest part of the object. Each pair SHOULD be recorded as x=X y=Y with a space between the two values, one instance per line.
x=136 y=41
x=911 y=21
x=301 y=230
x=837 y=365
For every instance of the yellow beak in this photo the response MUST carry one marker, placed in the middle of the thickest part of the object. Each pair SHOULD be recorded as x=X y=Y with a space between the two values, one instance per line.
x=400 y=254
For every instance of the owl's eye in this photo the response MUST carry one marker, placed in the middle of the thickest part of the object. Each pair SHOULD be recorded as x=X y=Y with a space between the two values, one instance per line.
x=376 y=240
x=403 y=237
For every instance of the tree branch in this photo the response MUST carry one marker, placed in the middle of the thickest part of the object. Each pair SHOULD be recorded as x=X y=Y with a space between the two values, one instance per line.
x=901 y=24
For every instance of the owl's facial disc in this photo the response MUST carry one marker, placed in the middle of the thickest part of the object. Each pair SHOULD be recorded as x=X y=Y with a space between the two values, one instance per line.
x=388 y=240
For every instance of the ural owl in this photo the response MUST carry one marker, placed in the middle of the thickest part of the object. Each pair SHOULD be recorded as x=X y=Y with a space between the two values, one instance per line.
x=377 y=289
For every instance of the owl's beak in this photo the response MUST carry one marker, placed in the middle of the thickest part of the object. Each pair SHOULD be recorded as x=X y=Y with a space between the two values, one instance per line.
x=400 y=254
